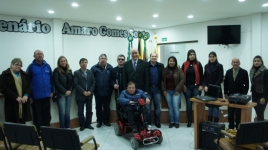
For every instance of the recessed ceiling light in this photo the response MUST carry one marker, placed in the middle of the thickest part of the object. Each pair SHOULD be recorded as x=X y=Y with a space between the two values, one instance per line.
x=113 y=0
x=51 y=11
x=265 y=5
x=75 y=5
x=241 y=0
x=155 y=15
x=190 y=16
x=153 y=25
x=118 y=18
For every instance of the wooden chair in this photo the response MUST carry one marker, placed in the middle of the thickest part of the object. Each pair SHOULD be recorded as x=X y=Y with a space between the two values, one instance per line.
x=23 y=134
x=65 y=139
x=247 y=133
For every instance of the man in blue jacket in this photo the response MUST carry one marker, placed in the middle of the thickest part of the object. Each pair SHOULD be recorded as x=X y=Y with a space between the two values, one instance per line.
x=40 y=75
x=103 y=90
x=127 y=99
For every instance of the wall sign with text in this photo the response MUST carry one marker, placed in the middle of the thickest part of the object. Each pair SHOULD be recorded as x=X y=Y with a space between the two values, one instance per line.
x=103 y=31
x=24 y=27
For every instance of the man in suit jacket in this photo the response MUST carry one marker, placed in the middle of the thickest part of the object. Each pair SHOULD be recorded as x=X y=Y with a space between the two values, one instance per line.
x=136 y=70
x=84 y=83
x=236 y=81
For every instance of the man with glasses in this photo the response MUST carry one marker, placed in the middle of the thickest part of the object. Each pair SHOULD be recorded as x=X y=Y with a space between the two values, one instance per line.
x=103 y=90
x=136 y=70
x=40 y=75
x=117 y=78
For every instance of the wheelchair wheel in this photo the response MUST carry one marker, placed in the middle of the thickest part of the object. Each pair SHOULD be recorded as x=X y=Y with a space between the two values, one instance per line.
x=160 y=139
x=116 y=129
x=134 y=143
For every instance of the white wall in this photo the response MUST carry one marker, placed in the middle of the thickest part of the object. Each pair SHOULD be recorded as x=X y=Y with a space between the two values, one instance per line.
x=254 y=39
x=55 y=44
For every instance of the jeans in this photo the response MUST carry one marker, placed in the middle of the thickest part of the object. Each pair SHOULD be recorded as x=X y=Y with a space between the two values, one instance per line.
x=64 y=104
x=214 y=110
x=173 y=106
x=155 y=95
x=81 y=106
x=192 y=91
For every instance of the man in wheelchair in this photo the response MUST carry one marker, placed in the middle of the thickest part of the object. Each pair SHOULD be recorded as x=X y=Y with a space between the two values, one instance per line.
x=128 y=99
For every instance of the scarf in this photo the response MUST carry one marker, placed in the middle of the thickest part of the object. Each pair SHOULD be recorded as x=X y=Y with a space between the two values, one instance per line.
x=254 y=74
x=18 y=84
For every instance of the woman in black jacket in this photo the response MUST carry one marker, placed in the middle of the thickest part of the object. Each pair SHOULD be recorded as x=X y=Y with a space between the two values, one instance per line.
x=213 y=74
x=63 y=80
x=259 y=86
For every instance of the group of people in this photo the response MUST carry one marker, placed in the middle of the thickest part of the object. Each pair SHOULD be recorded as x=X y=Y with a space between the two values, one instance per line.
x=131 y=80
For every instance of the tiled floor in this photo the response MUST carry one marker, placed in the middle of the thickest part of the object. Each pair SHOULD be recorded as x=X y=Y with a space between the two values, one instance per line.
x=173 y=139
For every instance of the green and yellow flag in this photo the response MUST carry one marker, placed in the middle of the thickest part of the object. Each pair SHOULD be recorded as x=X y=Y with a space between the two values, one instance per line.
x=140 y=36
x=130 y=39
x=146 y=36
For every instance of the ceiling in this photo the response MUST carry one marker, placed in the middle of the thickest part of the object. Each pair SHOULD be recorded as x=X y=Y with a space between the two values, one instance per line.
x=134 y=13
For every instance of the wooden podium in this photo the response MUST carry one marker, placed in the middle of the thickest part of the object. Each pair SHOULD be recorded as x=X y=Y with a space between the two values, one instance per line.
x=199 y=111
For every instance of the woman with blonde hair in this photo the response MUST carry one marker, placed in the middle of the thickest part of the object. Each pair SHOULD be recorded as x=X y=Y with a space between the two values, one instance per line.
x=15 y=86
x=63 y=80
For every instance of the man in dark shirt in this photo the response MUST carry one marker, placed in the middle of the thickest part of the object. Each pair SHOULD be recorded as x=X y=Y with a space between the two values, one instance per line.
x=155 y=76
x=117 y=78
x=236 y=81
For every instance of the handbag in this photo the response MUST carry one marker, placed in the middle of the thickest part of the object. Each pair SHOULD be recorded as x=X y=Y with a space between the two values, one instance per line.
x=56 y=96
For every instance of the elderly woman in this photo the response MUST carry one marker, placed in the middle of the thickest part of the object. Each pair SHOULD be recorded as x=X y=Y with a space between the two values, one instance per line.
x=15 y=86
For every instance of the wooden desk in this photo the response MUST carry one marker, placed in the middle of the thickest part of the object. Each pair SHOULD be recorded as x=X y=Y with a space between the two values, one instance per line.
x=199 y=117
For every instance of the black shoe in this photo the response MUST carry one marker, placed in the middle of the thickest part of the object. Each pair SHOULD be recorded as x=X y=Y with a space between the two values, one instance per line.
x=82 y=128
x=107 y=124
x=177 y=125
x=171 y=125
x=158 y=125
x=90 y=127
x=134 y=130
x=189 y=124
x=99 y=125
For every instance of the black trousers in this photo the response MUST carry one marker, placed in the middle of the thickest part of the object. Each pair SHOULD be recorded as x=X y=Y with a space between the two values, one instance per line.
x=103 y=102
x=260 y=108
x=85 y=121
x=231 y=112
x=41 y=112
x=130 y=114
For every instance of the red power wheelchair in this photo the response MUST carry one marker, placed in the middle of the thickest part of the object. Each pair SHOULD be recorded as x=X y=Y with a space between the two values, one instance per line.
x=145 y=135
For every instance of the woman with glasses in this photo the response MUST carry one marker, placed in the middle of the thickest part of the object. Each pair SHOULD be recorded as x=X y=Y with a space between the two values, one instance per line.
x=15 y=86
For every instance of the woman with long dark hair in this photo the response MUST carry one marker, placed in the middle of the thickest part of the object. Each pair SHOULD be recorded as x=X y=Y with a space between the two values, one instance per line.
x=172 y=87
x=63 y=80
x=193 y=72
x=259 y=86
x=213 y=74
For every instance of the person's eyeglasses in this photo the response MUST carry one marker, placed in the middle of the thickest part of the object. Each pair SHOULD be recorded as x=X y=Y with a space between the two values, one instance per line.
x=121 y=59
x=17 y=65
